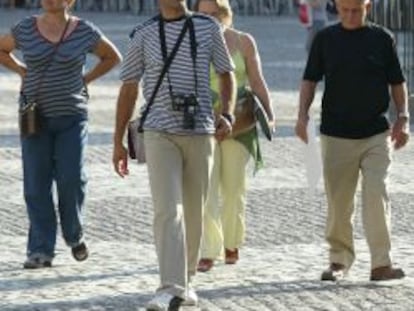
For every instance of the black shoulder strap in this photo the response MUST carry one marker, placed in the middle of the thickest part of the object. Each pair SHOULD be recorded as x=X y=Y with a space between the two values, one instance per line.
x=167 y=64
x=193 y=46
x=193 y=41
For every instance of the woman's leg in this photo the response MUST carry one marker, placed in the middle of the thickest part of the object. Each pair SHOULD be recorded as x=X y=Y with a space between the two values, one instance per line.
x=37 y=156
x=69 y=154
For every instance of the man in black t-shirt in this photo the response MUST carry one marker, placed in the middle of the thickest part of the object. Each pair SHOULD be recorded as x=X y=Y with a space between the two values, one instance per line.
x=359 y=64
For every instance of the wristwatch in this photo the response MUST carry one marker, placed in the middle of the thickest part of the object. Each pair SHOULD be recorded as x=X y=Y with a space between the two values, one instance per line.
x=229 y=117
x=403 y=115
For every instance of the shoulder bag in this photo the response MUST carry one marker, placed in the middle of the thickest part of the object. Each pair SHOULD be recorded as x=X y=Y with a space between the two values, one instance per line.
x=244 y=114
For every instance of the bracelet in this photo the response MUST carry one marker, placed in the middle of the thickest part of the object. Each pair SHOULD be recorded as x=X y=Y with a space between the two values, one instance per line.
x=403 y=115
x=229 y=117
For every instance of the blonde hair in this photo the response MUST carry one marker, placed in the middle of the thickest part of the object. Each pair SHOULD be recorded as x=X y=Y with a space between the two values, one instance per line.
x=71 y=3
x=225 y=11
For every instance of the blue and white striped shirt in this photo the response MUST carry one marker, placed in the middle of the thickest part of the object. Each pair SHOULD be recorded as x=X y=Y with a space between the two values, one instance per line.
x=144 y=60
x=59 y=91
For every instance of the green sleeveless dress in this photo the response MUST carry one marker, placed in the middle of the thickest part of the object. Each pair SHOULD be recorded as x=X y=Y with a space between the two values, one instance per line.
x=250 y=138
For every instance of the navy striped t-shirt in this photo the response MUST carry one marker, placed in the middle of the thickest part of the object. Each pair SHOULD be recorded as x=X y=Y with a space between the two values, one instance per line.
x=60 y=90
x=144 y=61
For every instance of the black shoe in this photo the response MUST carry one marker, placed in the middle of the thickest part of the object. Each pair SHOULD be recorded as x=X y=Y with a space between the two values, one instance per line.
x=335 y=272
x=80 y=252
x=36 y=262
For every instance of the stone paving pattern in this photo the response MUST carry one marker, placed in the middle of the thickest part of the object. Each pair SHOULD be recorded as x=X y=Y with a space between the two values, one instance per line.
x=284 y=251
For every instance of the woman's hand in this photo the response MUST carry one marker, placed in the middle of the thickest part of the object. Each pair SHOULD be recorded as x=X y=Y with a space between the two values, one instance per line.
x=109 y=57
x=22 y=71
x=272 y=126
x=223 y=128
x=7 y=59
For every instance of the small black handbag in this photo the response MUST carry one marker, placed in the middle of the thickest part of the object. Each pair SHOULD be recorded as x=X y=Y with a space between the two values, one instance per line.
x=29 y=120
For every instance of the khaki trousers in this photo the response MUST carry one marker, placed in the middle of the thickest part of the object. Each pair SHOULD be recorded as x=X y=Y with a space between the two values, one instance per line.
x=224 y=226
x=179 y=169
x=343 y=161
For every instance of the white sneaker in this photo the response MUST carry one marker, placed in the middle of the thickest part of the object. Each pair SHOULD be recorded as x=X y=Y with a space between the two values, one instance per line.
x=164 y=302
x=191 y=298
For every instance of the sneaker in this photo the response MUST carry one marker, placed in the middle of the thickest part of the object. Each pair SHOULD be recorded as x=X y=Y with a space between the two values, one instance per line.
x=37 y=262
x=335 y=272
x=386 y=273
x=232 y=256
x=164 y=302
x=80 y=252
x=191 y=298
x=205 y=264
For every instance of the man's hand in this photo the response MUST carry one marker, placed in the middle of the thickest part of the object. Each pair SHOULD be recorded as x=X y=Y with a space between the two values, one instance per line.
x=400 y=133
x=223 y=128
x=301 y=128
x=120 y=160
x=306 y=95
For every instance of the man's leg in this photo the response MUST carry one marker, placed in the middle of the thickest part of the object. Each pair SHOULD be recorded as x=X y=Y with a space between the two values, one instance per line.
x=165 y=166
x=376 y=209
x=197 y=168
x=341 y=171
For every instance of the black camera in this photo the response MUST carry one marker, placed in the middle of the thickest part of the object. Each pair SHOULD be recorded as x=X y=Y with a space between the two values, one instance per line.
x=188 y=104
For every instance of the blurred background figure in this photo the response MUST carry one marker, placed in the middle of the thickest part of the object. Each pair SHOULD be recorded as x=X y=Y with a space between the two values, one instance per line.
x=318 y=21
x=11 y=4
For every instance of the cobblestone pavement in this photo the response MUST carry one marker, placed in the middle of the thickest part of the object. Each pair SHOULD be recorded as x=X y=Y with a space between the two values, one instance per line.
x=284 y=252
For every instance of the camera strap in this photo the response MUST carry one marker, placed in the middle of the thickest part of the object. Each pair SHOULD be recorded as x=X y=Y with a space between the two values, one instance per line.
x=193 y=47
x=167 y=62
x=48 y=63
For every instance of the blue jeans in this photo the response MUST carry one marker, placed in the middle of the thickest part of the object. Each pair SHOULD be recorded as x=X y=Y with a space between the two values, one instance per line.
x=56 y=154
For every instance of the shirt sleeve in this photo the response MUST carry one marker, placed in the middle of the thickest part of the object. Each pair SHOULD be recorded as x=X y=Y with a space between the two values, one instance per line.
x=395 y=74
x=133 y=64
x=16 y=31
x=95 y=34
x=221 y=59
x=314 y=69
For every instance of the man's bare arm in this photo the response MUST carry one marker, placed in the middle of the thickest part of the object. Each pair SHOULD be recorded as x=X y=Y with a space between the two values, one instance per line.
x=306 y=96
x=127 y=98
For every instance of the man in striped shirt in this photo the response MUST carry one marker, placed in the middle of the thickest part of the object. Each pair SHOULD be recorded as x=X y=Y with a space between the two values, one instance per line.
x=178 y=141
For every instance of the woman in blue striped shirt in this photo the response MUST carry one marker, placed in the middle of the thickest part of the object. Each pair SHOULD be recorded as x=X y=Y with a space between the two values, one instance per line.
x=54 y=46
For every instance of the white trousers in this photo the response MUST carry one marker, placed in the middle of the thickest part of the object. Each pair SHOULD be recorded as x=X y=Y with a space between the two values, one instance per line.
x=224 y=225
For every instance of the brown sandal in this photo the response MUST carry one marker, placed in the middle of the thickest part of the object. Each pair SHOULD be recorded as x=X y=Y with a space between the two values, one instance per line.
x=232 y=256
x=205 y=264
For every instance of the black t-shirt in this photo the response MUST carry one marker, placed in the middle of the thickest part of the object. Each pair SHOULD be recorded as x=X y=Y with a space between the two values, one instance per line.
x=358 y=66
